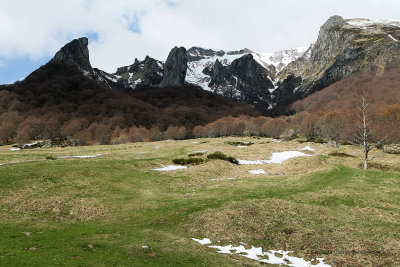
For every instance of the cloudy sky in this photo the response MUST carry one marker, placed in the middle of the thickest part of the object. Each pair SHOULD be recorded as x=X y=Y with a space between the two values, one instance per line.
x=32 y=31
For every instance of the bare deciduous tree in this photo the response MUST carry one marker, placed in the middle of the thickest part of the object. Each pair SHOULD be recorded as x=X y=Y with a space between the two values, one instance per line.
x=363 y=136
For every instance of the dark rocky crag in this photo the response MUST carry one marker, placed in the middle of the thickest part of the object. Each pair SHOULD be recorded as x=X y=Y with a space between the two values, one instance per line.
x=148 y=72
x=75 y=53
x=175 y=68
x=243 y=80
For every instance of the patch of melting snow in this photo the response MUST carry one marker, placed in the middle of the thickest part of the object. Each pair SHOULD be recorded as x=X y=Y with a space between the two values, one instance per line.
x=276 y=158
x=170 y=168
x=256 y=253
x=276 y=141
x=199 y=151
x=259 y=171
x=394 y=39
x=80 y=157
x=241 y=146
x=195 y=142
x=308 y=148
x=15 y=149
x=156 y=147
x=232 y=178
x=204 y=241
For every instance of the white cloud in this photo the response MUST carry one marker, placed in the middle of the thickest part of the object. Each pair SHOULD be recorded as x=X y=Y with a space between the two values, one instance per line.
x=3 y=64
x=37 y=29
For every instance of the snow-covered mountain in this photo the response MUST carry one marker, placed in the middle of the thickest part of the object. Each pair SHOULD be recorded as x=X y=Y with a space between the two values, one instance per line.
x=201 y=58
x=270 y=82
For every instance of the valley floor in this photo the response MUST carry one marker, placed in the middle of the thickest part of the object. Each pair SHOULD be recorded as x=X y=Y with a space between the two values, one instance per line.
x=113 y=209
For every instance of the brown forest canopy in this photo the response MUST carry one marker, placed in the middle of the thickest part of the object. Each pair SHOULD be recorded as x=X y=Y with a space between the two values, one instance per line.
x=58 y=100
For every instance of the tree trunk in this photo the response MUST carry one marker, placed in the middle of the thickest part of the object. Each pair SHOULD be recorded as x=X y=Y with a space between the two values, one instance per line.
x=366 y=160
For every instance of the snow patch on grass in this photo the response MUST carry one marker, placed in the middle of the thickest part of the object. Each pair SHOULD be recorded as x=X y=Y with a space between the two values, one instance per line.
x=307 y=148
x=204 y=241
x=256 y=253
x=170 y=168
x=80 y=157
x=259 y=171
x=276 y=158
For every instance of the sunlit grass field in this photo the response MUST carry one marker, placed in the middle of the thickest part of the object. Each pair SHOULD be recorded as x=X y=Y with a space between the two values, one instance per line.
x=114 y=210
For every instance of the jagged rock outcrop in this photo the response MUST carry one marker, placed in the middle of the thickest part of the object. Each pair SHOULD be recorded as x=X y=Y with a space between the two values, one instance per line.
x=344 y=48
x=197 y=53
x=219 y=74
x=243 y=80
x=75 y=53
x=253 y=82
x=175 y=68
x=146 y=72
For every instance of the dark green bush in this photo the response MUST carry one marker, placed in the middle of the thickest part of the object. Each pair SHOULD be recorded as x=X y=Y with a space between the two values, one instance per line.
x=195 y=154
x=51 y=158
x=189 y=161
x=222 y=156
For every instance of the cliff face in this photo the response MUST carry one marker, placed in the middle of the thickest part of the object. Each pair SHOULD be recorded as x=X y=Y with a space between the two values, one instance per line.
x=345 y=48
x=75 y=53
x=175 y=68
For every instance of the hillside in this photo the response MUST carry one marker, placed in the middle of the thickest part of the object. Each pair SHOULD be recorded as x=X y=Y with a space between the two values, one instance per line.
x=113 y=209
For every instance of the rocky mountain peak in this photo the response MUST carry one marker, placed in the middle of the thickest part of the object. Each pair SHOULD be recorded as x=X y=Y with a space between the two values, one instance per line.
x=175 y=68
x=333 y=22
x=75 y=53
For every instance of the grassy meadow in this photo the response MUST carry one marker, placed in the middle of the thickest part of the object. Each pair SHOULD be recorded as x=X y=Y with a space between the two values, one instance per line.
x=114 y=210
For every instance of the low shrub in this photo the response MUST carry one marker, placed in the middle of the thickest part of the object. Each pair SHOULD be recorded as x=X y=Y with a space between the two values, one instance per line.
x=341 y=154
x=222 y=156
x=195 y=154
x=346 y=143
x=189 y=161
x=50 y=158
x=232 y=143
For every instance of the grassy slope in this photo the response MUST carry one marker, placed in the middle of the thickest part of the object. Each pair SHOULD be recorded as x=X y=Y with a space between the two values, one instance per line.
x=99 y=212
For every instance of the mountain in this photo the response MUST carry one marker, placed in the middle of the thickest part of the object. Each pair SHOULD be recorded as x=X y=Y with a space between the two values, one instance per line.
x=344 y=48
x=268 y=82
x=243 y=75
x=67 y=96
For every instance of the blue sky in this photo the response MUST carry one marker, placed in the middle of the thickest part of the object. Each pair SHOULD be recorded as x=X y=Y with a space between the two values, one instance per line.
x=119 y=31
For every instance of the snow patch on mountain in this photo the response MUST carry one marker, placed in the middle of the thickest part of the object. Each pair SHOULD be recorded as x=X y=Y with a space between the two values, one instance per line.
x=365 y=23
x=200 y=58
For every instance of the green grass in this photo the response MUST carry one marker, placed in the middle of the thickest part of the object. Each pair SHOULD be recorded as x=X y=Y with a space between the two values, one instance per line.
x=101 y=211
